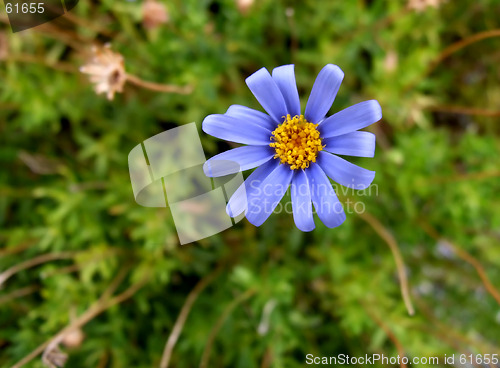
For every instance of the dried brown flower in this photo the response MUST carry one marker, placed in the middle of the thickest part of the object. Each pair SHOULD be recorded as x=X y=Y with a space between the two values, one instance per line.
x=154 y=14
x=54 y=358
x=106 y=70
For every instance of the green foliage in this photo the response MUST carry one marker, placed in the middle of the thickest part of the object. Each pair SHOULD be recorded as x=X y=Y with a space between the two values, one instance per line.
x=65 y=187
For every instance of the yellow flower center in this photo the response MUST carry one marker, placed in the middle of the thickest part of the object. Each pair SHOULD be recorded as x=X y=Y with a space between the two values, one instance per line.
x=296 y=142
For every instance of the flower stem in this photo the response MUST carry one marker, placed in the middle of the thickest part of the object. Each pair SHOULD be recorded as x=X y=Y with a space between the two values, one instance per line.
x=157 y=87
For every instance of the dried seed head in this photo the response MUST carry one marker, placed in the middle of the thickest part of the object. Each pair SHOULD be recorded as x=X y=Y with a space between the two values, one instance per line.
x=154 y=14
x=74 y=338
x=106 y=70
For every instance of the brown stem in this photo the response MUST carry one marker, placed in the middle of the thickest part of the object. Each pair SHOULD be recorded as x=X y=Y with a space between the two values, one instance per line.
x=93 y=311
x=19 y=293
x=72 y=17
x=18 y=248
x=464 y=43
x=481 y=175
x=220 y=322
x=465 y=110
x=71 y=39
x=25 y=58
x=387 y=331
x=34 y=262
x=393 y=245
x=466 y=257
x=267 y=359
x=181 y=319
x=454 y=48
x=450 y=334
x=157 y=87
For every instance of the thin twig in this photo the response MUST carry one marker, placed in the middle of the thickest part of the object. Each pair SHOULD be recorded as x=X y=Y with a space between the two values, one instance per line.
x=114 y=284
x=387 y=331
x=64 y=36
x=93 y=311
x=32 y=263
x=53 y=345
x=81 y=264
x=184 y=313
x=466 y=257
x=465 y=110
x=464 y=43
x=103 y=361
x=19 y=293
x=72 y=17
x=267 y=358
x=62 y=270
x=452 y=336
x=480 y=175
x=393 y=245
x=33 y=59
x=157 y=87
x=17 y=249
x=220 y=322
x=453 y=48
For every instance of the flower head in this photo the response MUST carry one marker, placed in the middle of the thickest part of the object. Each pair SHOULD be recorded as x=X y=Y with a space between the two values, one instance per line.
x=291 y=149
x=106 y=70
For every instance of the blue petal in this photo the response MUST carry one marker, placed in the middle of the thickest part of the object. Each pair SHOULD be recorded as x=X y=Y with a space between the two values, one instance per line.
x=245 y=114
x=345 y=173
x=353 y=118
x=325 y=201
x=268 y=94
x=246 y=158
x=231 y=129
x=323 y=93
x=284 y=76
x=361 y=144
x=239 y=200
x=301 y=202
x=263 y=200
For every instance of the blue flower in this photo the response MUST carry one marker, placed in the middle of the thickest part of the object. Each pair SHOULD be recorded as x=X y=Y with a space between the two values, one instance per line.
x=291 y=149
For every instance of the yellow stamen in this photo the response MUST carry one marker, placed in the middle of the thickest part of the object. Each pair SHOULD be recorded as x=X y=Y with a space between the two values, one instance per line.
x=297 y=142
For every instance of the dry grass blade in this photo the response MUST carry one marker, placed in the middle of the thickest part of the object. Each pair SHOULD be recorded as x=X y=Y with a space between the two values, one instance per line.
x=393 y=245
x=220 y=322
x=93 y=311
x=467 y=258
x=388 y=332
x=181 y=319
x=4 y=276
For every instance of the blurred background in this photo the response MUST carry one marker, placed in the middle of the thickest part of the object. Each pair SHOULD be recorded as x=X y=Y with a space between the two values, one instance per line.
x=88 y=278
